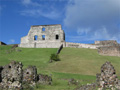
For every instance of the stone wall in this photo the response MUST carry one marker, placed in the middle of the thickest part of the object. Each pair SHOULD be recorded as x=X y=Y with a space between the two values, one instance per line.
x=44 y=36
x=79 y=45
x=109 y=50
x=106 y=42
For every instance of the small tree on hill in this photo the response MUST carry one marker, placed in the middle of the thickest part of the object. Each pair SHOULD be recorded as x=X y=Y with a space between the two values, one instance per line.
x=54 y=57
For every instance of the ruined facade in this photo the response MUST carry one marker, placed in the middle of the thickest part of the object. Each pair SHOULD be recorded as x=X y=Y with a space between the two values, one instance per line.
x=52 y=36
x=44 y=36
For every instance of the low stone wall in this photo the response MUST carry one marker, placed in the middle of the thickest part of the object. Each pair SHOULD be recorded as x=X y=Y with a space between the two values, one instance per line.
x=106 y=42
x=79 y=45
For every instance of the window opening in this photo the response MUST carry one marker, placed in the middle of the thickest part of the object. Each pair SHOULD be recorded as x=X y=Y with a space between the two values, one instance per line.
x=35 y=37
x=57 y=37
x=43 y=37
x=43 y=29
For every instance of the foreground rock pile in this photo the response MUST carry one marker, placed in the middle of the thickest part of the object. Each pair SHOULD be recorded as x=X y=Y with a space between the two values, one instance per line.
x=107 y=78
x=13 y=77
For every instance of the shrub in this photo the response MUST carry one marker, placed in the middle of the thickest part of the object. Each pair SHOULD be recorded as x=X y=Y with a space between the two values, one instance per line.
x=54 y=57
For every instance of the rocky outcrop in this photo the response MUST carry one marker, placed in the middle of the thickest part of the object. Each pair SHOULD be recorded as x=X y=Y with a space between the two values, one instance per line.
x=107 y=78
x=44 y=79
x=30 y=75
x=13 y=77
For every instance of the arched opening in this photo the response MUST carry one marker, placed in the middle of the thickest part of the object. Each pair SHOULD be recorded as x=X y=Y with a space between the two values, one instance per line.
x=43 y=29
x=35 y=37
x=57 y=37
x=43 y=37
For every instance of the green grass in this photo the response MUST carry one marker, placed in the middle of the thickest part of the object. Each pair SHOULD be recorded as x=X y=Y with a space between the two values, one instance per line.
x=81 y=64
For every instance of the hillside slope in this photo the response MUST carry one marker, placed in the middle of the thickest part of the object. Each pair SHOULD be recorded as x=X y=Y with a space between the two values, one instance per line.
x=73 y=60
x=79 y=63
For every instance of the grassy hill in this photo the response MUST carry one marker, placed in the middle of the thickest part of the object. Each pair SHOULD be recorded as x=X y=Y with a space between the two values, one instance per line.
x=79 y=63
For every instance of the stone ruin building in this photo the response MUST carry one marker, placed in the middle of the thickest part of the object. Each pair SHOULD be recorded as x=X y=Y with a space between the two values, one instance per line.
x=52 y=36
x=107 y=78
x=44 y=36
x=14 y=77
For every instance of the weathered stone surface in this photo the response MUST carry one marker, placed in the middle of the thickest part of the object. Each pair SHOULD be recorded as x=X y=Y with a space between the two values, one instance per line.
x=107 y=78
x=12 y=76
x=109 y=50
x=44 y=79
x=106 y=42
x=30 y=75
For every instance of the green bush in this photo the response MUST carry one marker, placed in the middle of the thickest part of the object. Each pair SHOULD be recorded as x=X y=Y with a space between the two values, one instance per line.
x=54 y=57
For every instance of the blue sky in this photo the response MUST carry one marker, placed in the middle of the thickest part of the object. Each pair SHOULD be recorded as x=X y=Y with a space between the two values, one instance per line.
x=83 y=21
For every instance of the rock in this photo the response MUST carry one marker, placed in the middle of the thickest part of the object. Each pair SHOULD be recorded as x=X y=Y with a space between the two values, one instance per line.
x=107 y=78
x=12 y=76
x=72 y=82
x=44 y=79
x=30 y=75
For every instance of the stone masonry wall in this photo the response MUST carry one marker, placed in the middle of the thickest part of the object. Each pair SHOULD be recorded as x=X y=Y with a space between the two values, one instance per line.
x=109 y=50
x=44 y=36
x=106 y=42
x=79 y=45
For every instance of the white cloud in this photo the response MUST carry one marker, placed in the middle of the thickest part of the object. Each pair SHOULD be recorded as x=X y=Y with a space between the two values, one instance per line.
x=36 y=9
x=37 y=13
x=11 y=41
x=26 y=2
x=102 y=17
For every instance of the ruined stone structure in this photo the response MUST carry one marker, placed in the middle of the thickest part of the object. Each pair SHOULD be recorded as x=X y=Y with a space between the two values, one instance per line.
x=44 y=36
x=2 y=43
x=52 y=36
x=106 y=42
x=109 y=50
x=13 y=77
x=107 y=78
